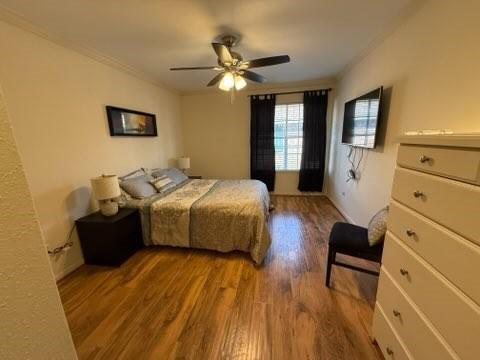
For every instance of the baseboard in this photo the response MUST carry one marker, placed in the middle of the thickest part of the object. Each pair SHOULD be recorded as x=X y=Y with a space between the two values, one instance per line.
x=340 y=210
x=68 y=270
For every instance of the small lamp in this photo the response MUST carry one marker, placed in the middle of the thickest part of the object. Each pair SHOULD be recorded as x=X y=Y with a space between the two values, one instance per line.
x=184 y=163
x=105 y=188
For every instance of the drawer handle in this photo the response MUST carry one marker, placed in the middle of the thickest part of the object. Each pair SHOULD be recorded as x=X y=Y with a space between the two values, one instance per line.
x=396 y=313
x=424 y=159
x=410 y=232
x=403 y=272
x=418 y=194
x=389 y=351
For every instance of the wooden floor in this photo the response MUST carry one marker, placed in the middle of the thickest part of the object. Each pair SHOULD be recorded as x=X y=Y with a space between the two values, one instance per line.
x=167 y=303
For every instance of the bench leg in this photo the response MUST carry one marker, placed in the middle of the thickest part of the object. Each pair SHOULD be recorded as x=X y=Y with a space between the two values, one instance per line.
x=330 y=260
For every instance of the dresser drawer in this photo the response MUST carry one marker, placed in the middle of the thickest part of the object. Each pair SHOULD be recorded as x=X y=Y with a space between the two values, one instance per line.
x=451 y=203
x=436 y=244
x=459 y=163
x=389 y=342
x=409 y=324
x=456 y=317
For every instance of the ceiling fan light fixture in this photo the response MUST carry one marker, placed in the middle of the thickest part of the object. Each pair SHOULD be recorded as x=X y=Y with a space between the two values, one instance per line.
x=228 y=82
x=221 y=86
x=240 y=82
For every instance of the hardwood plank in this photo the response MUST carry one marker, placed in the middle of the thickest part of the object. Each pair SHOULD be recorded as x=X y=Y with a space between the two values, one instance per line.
x=173 y=303
x=205 y=328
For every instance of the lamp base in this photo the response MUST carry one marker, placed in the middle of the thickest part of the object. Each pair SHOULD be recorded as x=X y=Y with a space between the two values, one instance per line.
x=108 y=207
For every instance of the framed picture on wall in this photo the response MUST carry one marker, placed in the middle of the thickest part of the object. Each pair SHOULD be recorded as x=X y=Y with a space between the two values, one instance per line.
x=125 y=122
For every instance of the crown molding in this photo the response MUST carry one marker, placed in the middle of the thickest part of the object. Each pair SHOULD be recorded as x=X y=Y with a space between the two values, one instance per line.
x=395 y=24
x=13 y=18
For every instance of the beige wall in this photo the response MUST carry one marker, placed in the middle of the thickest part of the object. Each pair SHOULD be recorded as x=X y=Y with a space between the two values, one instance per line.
x=57 y=101
x=216 y=134
x=430 y=68
x=33 y=325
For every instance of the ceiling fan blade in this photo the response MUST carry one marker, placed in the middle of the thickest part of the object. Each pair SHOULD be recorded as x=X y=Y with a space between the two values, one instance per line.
x=268 y=61
x=250 y=75
x=216 y=79
x=196 y=68
x=223 y=53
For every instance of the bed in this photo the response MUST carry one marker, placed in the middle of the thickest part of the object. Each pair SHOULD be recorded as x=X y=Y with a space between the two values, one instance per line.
x=221 y=215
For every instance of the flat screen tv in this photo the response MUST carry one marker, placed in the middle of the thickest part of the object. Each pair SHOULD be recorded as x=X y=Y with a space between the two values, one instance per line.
x=361 y=118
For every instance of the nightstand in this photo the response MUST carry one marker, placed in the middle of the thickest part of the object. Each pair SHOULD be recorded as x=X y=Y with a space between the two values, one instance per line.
x=110 y=240
x=194 y=176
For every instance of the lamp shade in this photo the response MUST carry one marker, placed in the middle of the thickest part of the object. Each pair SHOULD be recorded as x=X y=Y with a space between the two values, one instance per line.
x=105 y=187
x=184 y=163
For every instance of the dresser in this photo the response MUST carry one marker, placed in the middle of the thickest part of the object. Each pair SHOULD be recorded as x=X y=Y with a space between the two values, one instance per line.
x=428 y=298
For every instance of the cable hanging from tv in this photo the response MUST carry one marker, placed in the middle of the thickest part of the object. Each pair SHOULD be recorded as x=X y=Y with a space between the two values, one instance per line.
x=352 y=173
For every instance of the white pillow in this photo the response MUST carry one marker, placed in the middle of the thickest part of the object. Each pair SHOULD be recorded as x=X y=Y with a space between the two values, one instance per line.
x=377 y=227
x=162 y=183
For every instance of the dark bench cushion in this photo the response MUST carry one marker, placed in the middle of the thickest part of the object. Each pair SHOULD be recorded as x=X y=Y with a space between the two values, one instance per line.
x=354 y=239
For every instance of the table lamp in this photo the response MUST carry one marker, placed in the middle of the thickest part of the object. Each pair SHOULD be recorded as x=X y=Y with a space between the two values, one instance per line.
x=105 y=189
x=184 y=163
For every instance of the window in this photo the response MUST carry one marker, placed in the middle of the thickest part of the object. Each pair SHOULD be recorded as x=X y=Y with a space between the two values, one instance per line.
x=288 y=136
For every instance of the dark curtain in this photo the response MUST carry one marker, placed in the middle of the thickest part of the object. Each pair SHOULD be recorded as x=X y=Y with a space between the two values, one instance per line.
x=262 y=148
x=312 y=167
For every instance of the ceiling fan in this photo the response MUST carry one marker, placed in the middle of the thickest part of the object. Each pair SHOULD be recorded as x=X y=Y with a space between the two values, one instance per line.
x=233 y=69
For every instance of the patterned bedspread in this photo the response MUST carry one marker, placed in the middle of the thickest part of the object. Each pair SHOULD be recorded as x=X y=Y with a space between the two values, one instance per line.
x=222 y=215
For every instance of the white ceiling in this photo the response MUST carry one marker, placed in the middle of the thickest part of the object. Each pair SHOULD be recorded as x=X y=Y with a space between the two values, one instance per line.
x=321 y=36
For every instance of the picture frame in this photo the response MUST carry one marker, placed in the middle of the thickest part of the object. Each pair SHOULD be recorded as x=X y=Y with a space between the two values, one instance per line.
x=127 y=122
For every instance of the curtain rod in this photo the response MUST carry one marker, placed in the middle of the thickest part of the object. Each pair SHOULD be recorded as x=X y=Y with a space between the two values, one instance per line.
x=289 y=92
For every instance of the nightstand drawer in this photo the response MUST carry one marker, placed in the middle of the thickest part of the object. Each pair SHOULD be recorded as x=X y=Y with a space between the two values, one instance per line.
x=408 y=323
x=453 y=204
x=456 y=317
x=391 y=346
x=458 y=163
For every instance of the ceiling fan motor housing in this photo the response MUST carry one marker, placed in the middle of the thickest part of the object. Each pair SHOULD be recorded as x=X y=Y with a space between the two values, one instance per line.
x=237 y=58
x=230 y=41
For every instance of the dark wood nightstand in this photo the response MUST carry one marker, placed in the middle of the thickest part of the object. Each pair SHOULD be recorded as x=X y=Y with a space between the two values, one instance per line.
x=194 y=176
x=110 y=240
